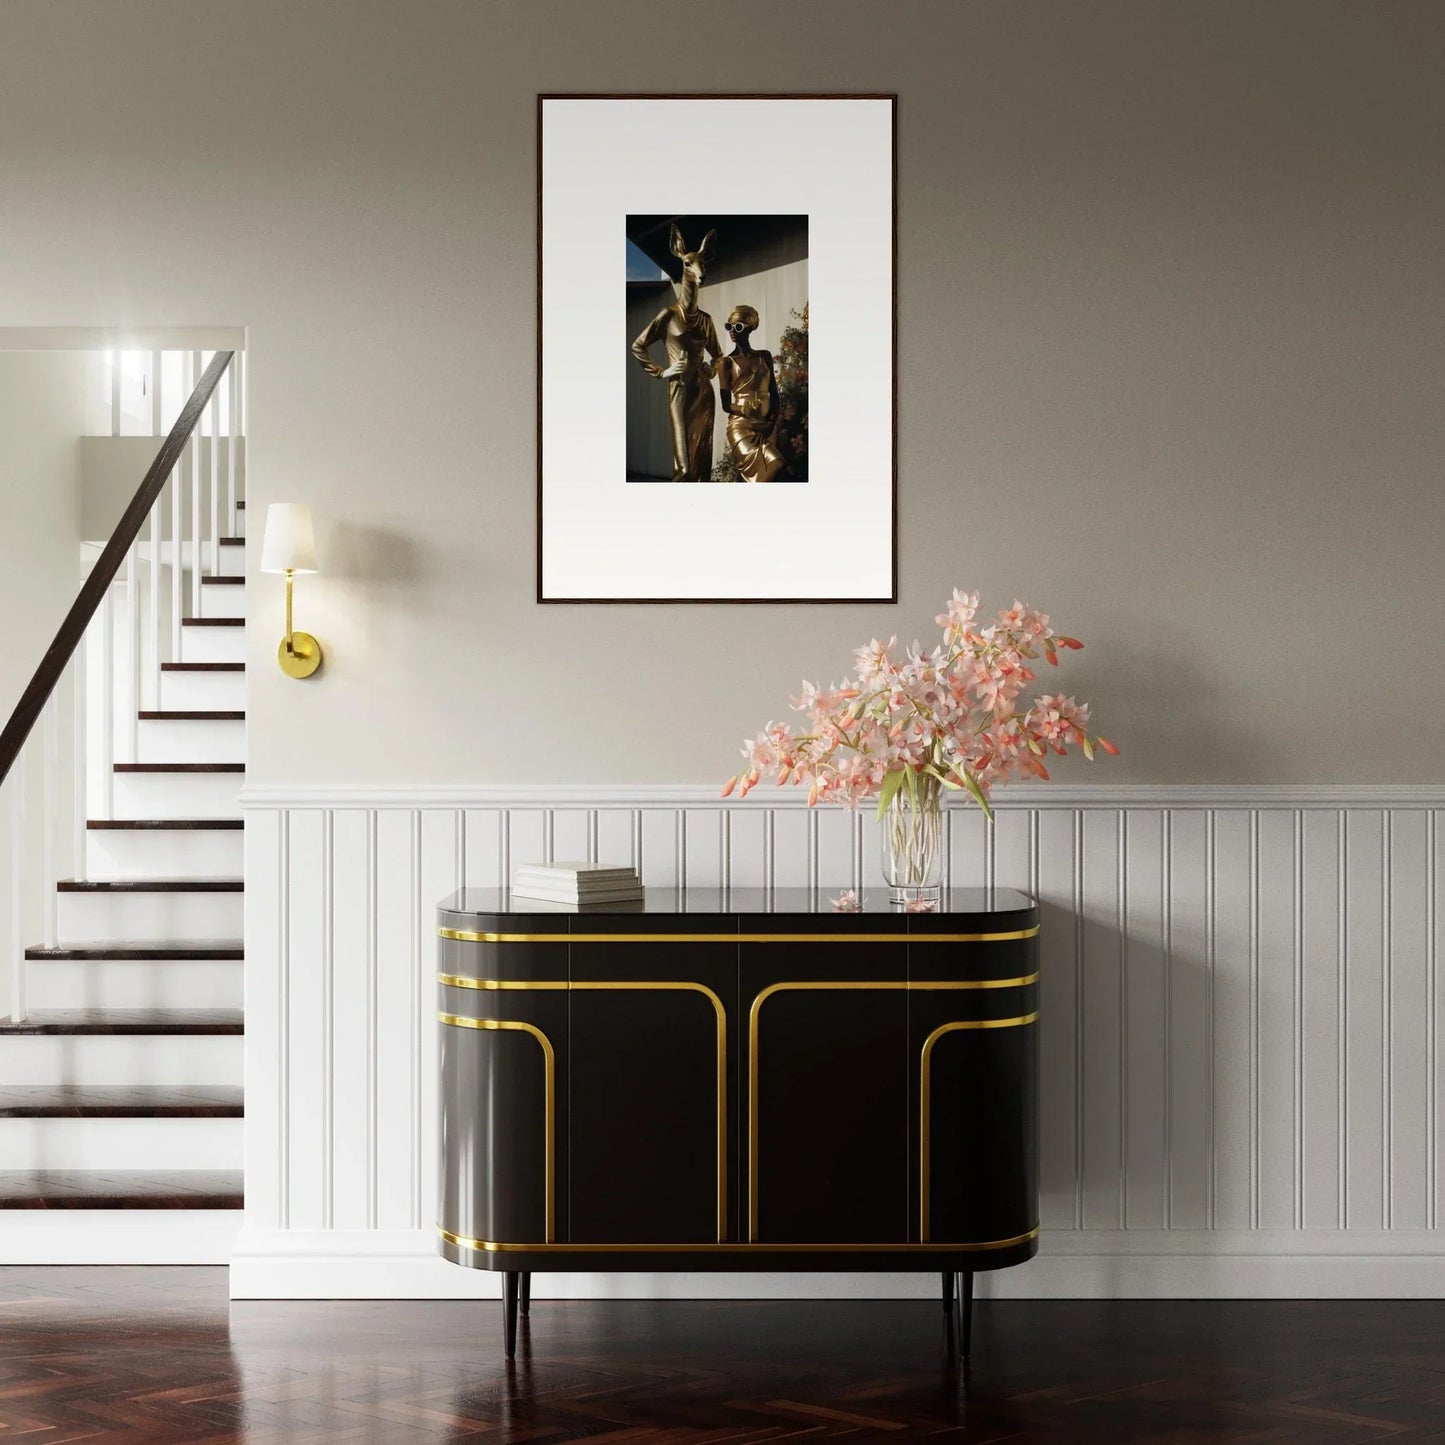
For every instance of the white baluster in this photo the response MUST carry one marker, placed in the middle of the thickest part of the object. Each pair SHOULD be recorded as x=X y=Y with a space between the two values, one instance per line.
x=107 y=703
x=49 y=801
x=17 y=888
x=233 y=429
x=178 y=473
x=133 y=658
x=78 y=667
x=153 y=632
x=116 y=360
x=158 y=414
x=214 y=408
x=197 y=366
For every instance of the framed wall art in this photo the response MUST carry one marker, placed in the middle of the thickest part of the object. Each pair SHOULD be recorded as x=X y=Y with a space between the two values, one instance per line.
x=716 y=348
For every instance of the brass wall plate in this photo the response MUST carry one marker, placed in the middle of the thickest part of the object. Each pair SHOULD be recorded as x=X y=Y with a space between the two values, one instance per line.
x=302 y=657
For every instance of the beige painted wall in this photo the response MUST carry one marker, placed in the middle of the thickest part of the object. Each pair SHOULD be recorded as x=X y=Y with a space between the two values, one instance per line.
x=1170 y=355
x=42 y=411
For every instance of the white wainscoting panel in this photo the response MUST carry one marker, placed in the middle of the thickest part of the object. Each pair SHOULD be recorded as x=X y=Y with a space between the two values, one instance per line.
x=1241 y=1023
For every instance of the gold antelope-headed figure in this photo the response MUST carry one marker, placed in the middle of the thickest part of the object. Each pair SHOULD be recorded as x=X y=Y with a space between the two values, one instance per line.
x=690 y=338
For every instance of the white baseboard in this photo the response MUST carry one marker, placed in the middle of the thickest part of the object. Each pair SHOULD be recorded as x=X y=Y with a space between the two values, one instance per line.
x=1135 y=1264
x=119 y=1236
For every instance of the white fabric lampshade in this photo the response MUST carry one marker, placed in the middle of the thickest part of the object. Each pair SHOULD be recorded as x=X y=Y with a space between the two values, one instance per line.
x=290 y=544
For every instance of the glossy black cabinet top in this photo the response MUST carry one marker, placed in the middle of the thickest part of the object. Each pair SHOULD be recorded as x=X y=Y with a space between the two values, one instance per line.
x=996 y=905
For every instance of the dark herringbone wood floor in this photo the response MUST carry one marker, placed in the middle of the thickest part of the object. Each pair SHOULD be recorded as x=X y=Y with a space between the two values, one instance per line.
x=158 y=1355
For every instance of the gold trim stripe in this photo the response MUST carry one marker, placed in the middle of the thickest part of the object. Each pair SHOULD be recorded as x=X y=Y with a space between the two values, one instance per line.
x=499 y=985
x=460 y=935
x=459 y=980
x=925 y=1102
x=487 y=1246
x=835 y=985
x=549 y=1063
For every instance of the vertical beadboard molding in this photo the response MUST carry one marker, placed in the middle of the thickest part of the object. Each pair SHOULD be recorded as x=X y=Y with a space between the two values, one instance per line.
x=1240 y=1036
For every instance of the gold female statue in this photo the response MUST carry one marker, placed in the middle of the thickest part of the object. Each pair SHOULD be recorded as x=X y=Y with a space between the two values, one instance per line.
x=688 y=333
x=750 y=399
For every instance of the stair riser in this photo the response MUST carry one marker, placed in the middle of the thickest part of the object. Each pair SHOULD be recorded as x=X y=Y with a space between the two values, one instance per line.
x=177 y=795
x=119 y=1236
x=134 y=983
x=123 y=1059
x=122 y=1143
x=223 y=601
x=213 y=644
x=233 y=562
x=203 y=691
x=122 y=917
x=164 y=853
x=191 y=740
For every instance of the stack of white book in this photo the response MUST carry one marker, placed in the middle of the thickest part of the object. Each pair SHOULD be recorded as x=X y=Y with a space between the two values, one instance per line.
x=579 y=883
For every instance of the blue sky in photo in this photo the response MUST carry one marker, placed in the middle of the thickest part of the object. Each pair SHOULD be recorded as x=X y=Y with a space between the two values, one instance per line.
x=639 y=268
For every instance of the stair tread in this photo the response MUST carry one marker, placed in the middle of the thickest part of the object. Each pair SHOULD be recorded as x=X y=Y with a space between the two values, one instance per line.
x=171 y=714
x=232 y=541
x=180 y=767
x=129 y=1021
x=223 y=581
x=121 y=1189
x=207 y=950
x=201 y=825
x=213 y=621
x=121 y=1101
x=150 y=885
x=203 y=667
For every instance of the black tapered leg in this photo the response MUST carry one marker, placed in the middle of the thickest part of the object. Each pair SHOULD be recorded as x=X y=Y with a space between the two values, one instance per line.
x=948 y=1292
x=965 y=1330
x=526 y=1303
x=509 y=1311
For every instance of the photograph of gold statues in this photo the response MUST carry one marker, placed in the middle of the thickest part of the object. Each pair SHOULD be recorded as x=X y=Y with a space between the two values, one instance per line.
x=745 y=378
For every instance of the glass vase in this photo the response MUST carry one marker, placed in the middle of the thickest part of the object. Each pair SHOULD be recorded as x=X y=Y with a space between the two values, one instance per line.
x=912 y=847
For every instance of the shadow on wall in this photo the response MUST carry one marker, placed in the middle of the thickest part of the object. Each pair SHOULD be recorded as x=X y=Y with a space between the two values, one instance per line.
x=365 y=572
x=1211 y=721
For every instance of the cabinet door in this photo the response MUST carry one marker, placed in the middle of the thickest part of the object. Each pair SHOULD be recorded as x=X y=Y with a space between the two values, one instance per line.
x=652 y=1133
x=974 y=1111
x=502 y=1019
x=826 y=1092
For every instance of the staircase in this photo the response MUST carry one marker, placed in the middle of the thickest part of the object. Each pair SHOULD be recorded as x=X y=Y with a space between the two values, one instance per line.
x=121 y=1100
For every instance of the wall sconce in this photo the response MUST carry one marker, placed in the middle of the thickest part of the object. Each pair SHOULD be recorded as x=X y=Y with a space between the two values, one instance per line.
x=290 y=547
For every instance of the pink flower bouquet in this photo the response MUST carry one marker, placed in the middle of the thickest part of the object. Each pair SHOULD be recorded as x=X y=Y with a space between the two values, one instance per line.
x=902 y=730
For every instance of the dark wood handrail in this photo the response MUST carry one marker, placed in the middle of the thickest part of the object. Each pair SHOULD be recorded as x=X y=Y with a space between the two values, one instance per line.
x=93 y=589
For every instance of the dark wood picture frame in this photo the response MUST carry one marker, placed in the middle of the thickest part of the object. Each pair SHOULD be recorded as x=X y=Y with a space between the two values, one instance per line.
x=892 y=99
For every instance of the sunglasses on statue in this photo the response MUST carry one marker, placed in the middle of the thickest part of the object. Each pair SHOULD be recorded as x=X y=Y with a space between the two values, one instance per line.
x=735 y=326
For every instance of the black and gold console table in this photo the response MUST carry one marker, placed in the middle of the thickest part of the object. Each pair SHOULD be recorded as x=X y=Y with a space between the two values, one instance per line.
x=745 y=1081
